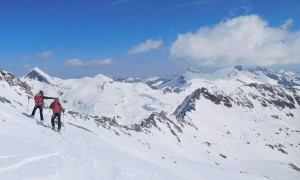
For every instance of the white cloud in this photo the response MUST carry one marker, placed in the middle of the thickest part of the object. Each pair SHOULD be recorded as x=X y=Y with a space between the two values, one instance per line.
x=287 y=24
x=188 y=3
x=100 y=62
x=241 y=10
x=245 y=40
x=46 y=54
x=74 y=62
x=27 y=56
x=111 y=5
x=115 y=3
x=79 y=62
x=146 y=46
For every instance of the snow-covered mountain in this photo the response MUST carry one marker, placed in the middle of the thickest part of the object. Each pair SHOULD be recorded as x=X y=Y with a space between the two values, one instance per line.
x=285 y=78
x=233 y=124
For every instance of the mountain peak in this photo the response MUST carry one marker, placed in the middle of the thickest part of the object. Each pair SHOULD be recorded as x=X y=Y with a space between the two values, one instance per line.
x=191 y=70
x=288 y=78
x=238 y=67
x=38 y=74
x=264 y=70
x=39 y=71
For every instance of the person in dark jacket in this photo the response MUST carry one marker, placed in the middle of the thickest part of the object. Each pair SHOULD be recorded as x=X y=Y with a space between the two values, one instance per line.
x=57 y=109
x=39 y=103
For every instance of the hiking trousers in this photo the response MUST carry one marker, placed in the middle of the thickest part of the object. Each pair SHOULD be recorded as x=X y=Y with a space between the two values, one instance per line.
x=41 y=111
x=56 y=115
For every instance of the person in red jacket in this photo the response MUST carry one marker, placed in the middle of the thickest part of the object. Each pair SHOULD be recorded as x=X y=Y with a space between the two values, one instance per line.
x=57 y=109
x=39 y=103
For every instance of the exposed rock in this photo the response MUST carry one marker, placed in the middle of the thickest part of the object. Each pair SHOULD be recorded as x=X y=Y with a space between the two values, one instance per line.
x=13 y=81
x=297 y=98
x=73 y=113
x=223 y=156
x=281 y=78
x=181 y=80
x=239 y=97
x=283 y=151
x=157 y=82
x=294 y=167
x=279 y=147
x=36 y=75
x=275 y=116
x=217 y=97
x=162 y=118
x=282 y=104
x=208 y=144
x=176 y=90
x=4 y=100
x=167 y=90
x=239 y=68
x=189 y=103
x=274 y=95
x=271 y=146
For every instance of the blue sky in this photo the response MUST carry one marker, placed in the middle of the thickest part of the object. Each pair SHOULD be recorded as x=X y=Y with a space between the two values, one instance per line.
x=140 y=38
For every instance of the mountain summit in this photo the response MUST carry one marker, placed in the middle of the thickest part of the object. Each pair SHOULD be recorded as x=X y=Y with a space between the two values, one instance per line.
x=37 y=74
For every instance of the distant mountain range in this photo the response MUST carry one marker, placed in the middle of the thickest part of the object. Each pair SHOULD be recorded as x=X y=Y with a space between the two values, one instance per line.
x=233 y=124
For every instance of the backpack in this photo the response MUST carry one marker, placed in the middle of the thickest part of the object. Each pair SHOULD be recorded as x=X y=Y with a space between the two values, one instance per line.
x=38 y=99
x=56 y=106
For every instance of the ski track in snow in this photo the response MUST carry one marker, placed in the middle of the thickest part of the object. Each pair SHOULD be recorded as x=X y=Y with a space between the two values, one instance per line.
x=26 y=161
x=10 y=156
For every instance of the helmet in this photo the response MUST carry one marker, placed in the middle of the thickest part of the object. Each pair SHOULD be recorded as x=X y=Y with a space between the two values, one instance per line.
x=42 y=92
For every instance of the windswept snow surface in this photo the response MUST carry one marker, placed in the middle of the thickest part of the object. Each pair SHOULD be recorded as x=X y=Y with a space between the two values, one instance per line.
x=31 y=151
x=218 y=128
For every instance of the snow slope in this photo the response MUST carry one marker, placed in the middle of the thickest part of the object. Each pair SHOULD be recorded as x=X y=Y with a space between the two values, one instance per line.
x=217 y=128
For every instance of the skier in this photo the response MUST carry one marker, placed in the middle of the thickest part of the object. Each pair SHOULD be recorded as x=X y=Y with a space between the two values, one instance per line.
x=39 y=103
x=56 y=108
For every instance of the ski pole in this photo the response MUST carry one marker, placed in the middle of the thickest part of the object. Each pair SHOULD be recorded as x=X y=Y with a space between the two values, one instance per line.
x=63 y=122
x=47 y=113
x=28 y=104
